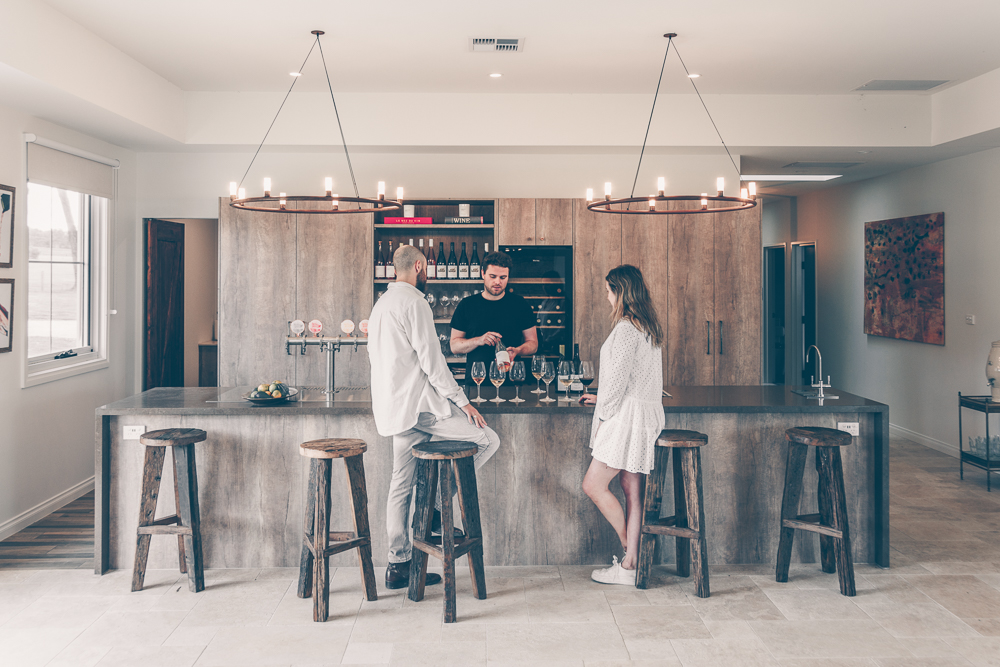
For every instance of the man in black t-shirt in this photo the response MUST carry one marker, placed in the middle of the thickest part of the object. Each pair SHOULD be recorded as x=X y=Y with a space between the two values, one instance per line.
x=483 y=319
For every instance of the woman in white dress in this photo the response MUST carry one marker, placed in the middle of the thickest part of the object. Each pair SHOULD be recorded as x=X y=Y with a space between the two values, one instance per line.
x=629 y=414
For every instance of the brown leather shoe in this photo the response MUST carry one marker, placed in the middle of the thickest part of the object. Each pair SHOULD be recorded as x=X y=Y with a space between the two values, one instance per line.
x=397 y=575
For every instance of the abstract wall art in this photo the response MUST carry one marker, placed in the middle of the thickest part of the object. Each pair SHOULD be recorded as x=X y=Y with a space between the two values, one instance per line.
x=904 y=278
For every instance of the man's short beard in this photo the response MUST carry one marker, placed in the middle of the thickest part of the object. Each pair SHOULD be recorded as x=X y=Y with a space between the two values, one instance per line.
x=422 y=280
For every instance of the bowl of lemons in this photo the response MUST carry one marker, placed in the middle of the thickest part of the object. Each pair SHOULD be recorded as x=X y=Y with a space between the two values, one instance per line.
x=270 y=393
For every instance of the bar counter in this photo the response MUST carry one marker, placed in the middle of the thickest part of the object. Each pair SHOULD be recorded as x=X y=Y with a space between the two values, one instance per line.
x=252 y=479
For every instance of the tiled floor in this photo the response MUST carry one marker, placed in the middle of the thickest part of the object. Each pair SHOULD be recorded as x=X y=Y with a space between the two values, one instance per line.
x=938 y=605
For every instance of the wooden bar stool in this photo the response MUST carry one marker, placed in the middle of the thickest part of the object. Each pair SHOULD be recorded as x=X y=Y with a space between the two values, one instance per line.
x=831 y=521
x=452 y=461
x=319 y=543
x=186 y=522
x=688 y=522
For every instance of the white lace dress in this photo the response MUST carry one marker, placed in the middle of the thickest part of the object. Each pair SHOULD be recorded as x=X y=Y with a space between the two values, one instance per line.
x=628 y=417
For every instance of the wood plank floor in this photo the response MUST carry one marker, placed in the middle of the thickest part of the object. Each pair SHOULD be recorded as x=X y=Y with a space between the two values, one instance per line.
x=62 y=540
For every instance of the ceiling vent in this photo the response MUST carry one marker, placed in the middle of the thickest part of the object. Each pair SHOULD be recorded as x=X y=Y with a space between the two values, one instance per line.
x=829 y=166
x=899 y=85
x=493 y=45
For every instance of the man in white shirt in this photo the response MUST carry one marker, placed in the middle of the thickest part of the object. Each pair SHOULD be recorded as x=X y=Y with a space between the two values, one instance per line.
x=414 y=397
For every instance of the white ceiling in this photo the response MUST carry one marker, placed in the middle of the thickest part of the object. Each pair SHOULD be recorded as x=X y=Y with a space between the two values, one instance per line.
x=739 y=47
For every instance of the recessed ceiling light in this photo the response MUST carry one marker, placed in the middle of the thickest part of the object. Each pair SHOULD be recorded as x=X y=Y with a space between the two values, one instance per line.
x=693 y=76
x=295 y=73
x=789 y=177
x=496 y=75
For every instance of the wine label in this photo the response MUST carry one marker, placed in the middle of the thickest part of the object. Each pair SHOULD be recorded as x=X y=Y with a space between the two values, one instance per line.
x=442 y=271
x=463 y=272
x=577 y=382
x=476 y=271
x=503 y=360
x=390 y=271
x=452 y=272
x=380 y=271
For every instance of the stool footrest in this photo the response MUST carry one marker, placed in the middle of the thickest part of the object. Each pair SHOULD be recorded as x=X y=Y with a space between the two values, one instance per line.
x=811 y=522
x=462 y=547
x=164 y=530
x=668 y=526
x=338 y=542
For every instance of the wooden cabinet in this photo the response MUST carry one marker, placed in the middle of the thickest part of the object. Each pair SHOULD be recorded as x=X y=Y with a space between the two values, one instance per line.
x=535 y=222
x=597 y=248
x=738 y=297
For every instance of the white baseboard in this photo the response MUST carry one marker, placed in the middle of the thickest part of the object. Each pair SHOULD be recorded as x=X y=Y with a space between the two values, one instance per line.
x=920 y=438
x=42 y=510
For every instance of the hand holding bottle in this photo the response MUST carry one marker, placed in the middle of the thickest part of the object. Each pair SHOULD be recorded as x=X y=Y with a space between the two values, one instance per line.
x=489 y=338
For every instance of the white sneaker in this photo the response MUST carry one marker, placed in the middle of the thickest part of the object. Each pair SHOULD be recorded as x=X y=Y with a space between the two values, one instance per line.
x=615 y=574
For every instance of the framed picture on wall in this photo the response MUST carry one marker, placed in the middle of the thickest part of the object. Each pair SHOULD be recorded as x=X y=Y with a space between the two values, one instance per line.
x=6 y=313
x=6 y=226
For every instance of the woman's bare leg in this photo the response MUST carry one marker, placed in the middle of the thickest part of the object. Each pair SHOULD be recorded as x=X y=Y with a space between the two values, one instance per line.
x=633 y=486
x=595 y=485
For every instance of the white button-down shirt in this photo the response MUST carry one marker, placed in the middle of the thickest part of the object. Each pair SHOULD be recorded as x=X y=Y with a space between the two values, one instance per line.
x=409 y=373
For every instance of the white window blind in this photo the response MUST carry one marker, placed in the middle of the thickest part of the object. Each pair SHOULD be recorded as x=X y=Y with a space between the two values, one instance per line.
x=69 y=172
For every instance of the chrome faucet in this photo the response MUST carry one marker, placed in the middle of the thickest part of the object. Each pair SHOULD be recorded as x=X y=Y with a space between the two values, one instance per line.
x=819 y=361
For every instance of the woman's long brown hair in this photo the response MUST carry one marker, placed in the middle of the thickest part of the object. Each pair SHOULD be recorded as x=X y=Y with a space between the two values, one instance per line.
x=633 y=303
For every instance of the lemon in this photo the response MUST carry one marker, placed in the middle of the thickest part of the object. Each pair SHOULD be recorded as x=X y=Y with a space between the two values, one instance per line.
x=262 y=387
x=276 y=394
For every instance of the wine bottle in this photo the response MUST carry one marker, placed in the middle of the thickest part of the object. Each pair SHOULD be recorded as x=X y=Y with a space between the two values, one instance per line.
x=463 y=264
x=431 y=261
x=562 y=379
x=503 y=357
x=475 y=271
x=411 y=242
x=380 y=262
x=422 y=247
x=442 y=264
x=577 y=376
x=390 y=268
x=452 y=263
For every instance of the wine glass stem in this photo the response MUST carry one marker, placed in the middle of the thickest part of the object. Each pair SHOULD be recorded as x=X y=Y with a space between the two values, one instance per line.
x=479 y=391
x=517 y=392
x=539 y=386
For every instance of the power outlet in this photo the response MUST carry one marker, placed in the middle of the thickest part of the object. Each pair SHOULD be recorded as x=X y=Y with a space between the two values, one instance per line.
x=849 y=427
x=132 y=432
x=970 y=319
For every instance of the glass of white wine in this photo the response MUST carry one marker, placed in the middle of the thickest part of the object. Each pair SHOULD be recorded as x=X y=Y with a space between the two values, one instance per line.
x=517 y=377
x=478 y=375
x=565 y=376
x=548 y=375
x=497 y=376
x=537 y=362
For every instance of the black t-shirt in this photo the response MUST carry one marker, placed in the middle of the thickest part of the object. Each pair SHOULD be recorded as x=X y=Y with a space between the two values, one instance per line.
x=509 y=317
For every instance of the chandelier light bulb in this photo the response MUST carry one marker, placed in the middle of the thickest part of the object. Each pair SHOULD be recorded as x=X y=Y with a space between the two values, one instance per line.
x=607 y=190
x=328 y=185
x=399 y=194
x=661 y=185
x=233 y=189
x=267 y=187
x=335 y=204
x=752 y=189
x=381 y=189
x=590 y=194
x=652 y=204
x=720 y=185
x=241 y=193
x=281 y=203
x=744 y=194
x=704 y=200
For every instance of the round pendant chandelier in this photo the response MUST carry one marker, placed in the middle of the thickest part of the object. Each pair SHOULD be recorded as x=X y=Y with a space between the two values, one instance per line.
x=648 y=205
x=316 y=204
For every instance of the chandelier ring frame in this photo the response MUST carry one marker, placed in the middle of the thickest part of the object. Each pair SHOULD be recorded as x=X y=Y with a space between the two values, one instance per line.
x=373 y=205
x=604 y=205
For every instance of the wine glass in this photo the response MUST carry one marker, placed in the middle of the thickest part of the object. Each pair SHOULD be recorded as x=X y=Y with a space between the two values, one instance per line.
x=565 y=375
x=478 y=375
x=497 y=376
x=431 y=299
x=548 y=375
x=586 y=373
x=517 y=376
x=444 y=301
x=455 y=298
x=537 y=362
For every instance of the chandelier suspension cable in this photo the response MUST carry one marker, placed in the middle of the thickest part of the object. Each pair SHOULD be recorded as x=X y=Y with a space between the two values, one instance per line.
x=294 y=81
x=337 y=113
x=705 y=106
x=650 y=123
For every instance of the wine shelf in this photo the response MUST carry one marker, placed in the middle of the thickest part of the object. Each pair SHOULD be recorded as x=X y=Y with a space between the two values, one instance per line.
x=436 y=225
x=437 y=281
x=536 y=281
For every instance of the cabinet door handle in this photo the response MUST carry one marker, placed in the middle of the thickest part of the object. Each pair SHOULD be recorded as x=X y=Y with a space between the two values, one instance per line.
x=708 y=337
x=720 y=338
x=541 y=238
x=529 y=238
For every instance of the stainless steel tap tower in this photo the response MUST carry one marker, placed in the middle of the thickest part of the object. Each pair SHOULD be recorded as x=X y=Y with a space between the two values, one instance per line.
x=329 y=344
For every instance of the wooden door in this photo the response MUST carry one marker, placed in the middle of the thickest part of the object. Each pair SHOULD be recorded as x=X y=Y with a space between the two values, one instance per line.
x=164 y=344
x=553 y=221
x=691 y=345
x=515 y=222
x=738 y=297
x=597 y=248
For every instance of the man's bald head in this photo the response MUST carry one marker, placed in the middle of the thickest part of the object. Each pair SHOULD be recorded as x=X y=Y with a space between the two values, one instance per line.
x=405 y=259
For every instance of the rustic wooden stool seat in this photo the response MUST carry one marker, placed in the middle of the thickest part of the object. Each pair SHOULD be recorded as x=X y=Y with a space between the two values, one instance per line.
x=318 y=543
x=452 y=461
x=688 y=522
x=831 y=520
x=185 y=523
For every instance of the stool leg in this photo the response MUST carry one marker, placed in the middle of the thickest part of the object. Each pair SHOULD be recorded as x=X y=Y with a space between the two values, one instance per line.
x=190 y=515
x=359 y=501
x=306 y=559
x=825 y=501
x=182 y=561
x=152 y=470
x=446 y=471
x=321 y=540
x=681 y=512
x=424 y=503
x=468 y=499
x=651 y=502
x=696 y=519
x=845 y=564
x=794 y=469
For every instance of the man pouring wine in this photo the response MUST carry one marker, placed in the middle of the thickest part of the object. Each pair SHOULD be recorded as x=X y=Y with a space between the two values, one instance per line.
x=494 y=324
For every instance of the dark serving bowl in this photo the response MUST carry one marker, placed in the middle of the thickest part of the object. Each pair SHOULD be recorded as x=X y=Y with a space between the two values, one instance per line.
x=292 y=393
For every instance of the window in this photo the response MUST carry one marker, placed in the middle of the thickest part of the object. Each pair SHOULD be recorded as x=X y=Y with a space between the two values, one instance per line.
x=66 y=282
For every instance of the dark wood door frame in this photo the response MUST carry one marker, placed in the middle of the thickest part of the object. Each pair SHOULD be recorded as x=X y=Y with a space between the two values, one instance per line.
x=163 y=338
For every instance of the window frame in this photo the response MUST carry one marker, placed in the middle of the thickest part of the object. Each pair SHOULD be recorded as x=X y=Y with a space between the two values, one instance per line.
x=46 y=368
